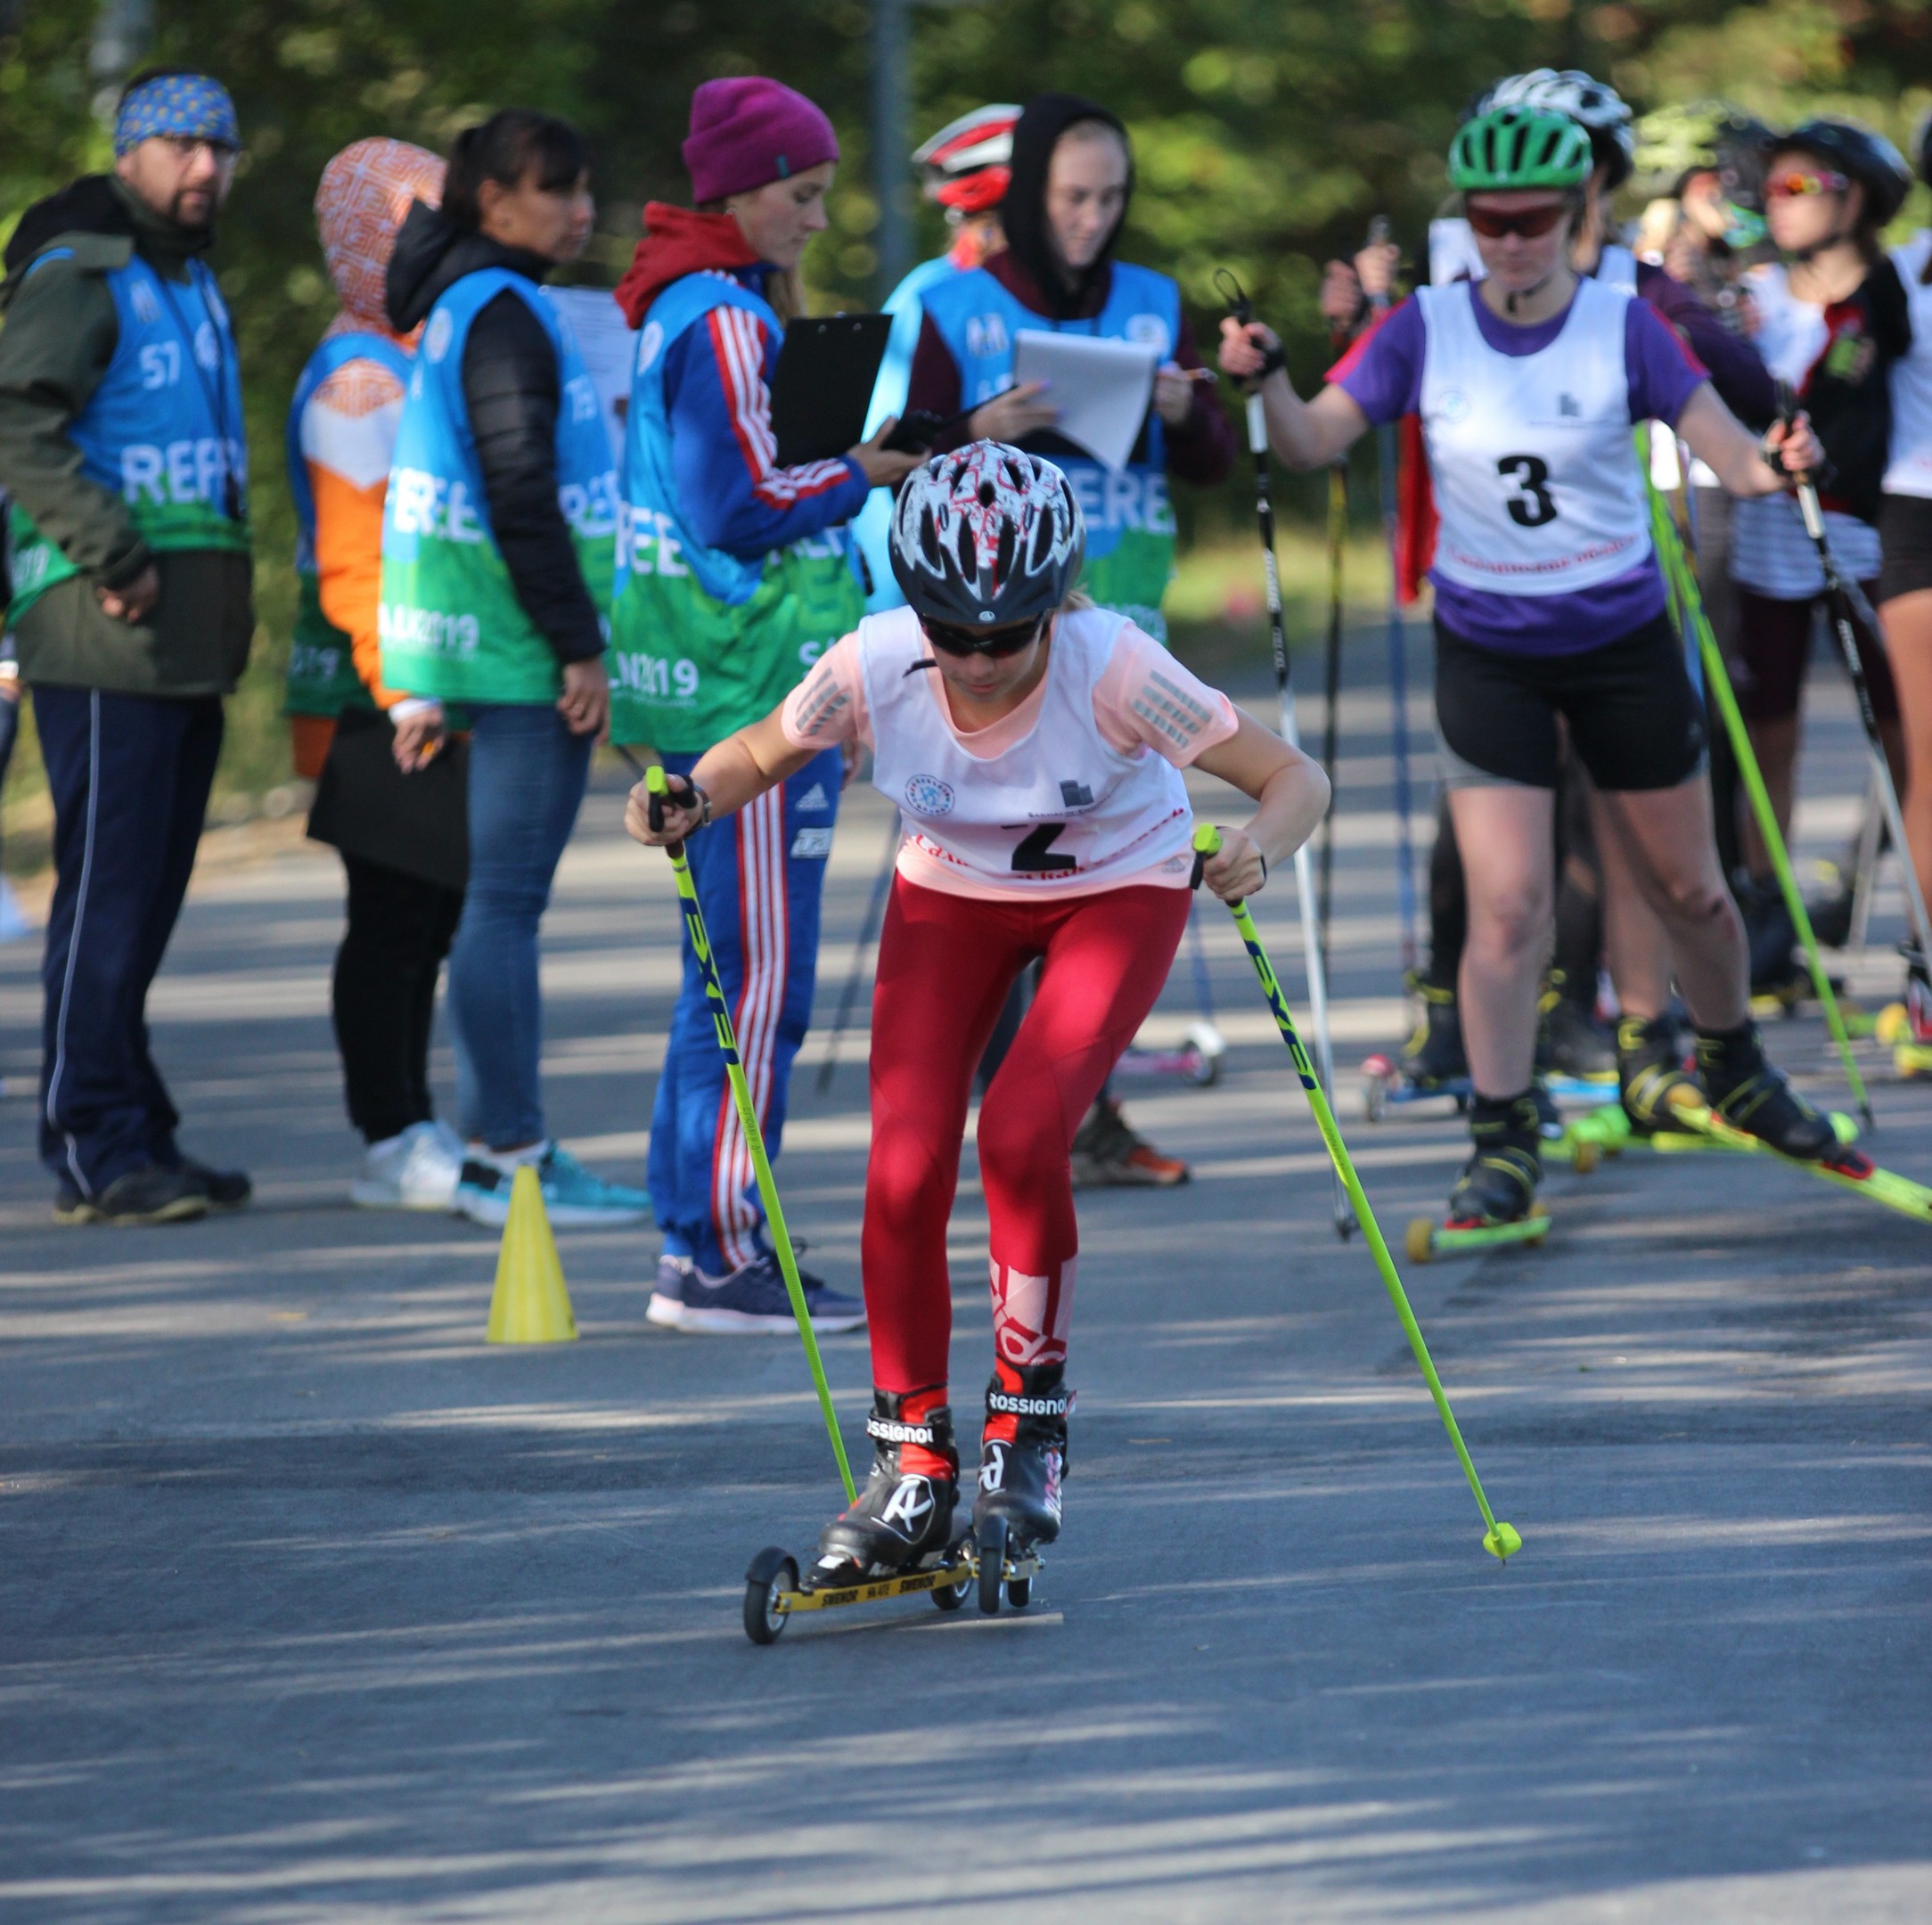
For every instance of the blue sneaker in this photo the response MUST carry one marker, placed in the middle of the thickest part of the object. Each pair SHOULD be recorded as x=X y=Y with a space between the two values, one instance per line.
x=667 y=1299
x=753 y=1299
x=573 y=1198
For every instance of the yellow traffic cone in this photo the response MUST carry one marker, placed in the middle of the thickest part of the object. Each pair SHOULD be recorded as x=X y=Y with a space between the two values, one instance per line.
x=531 y=1303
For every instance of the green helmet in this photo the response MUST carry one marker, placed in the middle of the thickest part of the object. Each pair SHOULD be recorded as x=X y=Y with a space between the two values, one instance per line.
x=1516 y=147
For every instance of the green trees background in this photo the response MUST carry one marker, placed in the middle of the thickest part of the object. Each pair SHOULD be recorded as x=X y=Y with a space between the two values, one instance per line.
x=1266 y=136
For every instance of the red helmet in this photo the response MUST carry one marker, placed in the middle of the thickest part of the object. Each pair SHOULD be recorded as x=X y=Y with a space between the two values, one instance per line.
x=966 y=165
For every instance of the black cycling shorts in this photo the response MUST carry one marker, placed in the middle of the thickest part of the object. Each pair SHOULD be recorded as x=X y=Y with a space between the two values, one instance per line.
x=1635 y=722
x=1905 y=536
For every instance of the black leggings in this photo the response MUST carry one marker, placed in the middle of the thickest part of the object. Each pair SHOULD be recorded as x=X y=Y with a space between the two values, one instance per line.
x=399 y=931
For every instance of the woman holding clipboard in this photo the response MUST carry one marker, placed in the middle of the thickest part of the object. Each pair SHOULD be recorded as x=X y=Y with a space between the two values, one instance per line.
x=733 y=574
x=1065 y=206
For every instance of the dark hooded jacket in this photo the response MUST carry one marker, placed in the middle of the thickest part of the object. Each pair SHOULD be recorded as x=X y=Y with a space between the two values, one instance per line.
x=59 y=337
x=1201 y=449
x=514 y=388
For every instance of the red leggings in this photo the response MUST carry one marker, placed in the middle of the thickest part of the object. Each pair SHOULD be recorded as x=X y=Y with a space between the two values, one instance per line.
x=945 y=964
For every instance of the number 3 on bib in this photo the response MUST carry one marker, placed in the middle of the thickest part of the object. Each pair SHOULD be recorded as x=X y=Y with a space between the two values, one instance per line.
x=1532 y=506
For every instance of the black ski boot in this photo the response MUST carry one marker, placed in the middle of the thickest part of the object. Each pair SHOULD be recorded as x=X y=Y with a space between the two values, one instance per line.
x=1569 y=1039
x=902 y=1520
x=1498 y=1183
x=1433 y=1055
x=1776 y=970
x=1752 y=1094
x=1022 y=1464
x=1650 y=1067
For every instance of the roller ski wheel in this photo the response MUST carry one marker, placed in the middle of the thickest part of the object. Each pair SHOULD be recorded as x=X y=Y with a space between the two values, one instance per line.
x=770 y=1584
x=1427 y=1240
x=1913 y=1060
x=1196 y=1059
x=1892 y=1025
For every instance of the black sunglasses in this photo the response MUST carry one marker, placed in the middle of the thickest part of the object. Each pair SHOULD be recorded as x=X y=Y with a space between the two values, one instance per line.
x=950 y=639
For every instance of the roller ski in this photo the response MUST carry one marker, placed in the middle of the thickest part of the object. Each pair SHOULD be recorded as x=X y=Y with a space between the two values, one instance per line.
x=895 y=1539
x=1905 y=1028
x=1609 y=1131
x=1432 y=1062
x=1494 y=1199
x=1022 y=1465
x=1196 y=1060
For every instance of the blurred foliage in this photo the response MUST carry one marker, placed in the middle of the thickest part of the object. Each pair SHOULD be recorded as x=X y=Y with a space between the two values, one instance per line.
x=1266 y=136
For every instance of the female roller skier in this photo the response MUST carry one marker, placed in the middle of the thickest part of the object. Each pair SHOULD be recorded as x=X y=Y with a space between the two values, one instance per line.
x=1548 y=604
x=1034 y=744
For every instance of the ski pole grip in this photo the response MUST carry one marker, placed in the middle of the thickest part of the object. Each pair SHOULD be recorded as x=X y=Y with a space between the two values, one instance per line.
x=658 y=789
x=1206 y=843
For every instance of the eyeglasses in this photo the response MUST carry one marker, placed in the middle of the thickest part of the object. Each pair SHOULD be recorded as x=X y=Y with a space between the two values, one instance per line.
x=950 y=639
x=1801 y=181
x=1531 y=223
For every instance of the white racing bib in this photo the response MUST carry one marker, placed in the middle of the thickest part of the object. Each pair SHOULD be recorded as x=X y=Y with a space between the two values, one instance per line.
x=1061 y=805
x=1535 y=472
x=1910 y=469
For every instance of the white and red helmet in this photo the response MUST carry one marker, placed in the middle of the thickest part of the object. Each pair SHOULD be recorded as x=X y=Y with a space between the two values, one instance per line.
x=987 y=536
x=968 y=164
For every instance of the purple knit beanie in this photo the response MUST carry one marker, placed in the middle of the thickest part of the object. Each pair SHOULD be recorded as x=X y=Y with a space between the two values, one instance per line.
x=748 y=131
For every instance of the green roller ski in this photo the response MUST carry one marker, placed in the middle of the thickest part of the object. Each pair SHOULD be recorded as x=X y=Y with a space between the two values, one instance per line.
x=1427 y=1239
x=1610 y=1132
x=1848 y=1166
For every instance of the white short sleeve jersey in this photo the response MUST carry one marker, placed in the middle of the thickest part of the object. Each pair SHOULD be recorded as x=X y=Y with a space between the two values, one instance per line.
x=1534 y=470
x=1060 y=807
x=1910 y=468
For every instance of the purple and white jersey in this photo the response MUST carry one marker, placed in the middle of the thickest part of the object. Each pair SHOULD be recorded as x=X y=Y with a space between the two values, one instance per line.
x=1386 y=374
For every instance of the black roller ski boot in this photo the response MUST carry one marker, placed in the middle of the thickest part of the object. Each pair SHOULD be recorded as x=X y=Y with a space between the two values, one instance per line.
x=1751 y=1094
x=1022 y=1464
x=1498 y=1183
x=1650 y=1073
x=902 y=1520
x=1570 y=1042
x=1433 y=1055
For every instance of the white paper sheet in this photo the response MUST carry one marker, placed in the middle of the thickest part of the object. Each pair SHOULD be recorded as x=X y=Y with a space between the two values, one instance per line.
x=1101 y=387
x=609 y=345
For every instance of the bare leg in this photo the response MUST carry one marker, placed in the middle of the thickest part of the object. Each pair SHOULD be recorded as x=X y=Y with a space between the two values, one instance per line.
x=1908 y=645
x=1668 y=838
x=1636 y=940
x=1505 y=835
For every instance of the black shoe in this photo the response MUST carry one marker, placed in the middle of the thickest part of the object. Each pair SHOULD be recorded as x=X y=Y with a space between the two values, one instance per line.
x=1649 y=1070
x=1772 y=937
x=1023 y=1453
x=1498 y=1183
x=902 y=1518
x=224 y=1189
x=152 y=1194
x=1433 y=1054
x=1750 y=1094
x=1569 y=1039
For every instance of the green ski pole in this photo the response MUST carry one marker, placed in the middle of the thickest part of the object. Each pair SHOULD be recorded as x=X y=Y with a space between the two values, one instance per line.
x=1499 y=1540
x=1684 y=590
x=748 y=1119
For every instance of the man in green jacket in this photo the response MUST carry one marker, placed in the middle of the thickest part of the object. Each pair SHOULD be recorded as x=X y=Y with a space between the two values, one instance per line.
x=122 y=445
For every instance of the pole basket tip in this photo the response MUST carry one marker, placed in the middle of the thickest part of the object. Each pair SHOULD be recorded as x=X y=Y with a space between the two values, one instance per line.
x=1503 y=1542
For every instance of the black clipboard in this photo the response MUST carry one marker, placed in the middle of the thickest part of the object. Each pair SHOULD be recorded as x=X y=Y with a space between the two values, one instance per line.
x=822 y=389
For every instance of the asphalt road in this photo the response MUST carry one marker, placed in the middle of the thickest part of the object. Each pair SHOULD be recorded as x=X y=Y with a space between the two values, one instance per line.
x=312 y=1606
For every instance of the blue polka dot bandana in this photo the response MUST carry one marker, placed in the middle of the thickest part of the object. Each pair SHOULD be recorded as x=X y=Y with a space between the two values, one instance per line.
x=178 y=106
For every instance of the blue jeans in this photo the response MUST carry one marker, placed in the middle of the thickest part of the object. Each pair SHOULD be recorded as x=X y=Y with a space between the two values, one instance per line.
x=760 y=874
x=528 y=774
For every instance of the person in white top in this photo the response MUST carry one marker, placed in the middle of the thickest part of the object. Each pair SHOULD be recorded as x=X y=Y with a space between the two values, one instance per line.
x=1904 y=596
x=1034 y=745
x=1550 y=619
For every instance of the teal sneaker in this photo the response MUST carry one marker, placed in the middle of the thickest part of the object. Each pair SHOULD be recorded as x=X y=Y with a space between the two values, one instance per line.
x=573 y=1198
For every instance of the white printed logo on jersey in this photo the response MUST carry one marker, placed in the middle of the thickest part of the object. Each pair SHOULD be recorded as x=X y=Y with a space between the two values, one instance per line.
x=1059 y=804
x=811 y=845
x=1531 y=455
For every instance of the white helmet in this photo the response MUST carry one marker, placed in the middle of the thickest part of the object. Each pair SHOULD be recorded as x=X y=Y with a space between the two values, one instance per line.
x=987 y=536
x=1591 y=104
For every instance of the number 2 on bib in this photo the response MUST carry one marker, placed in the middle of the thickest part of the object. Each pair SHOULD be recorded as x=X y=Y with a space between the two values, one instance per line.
x=1533 y=507
x=1035 y=855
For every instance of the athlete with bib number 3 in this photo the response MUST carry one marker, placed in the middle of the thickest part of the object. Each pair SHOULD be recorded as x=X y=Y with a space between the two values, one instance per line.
x=1549 y=604
x=1034 y=745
